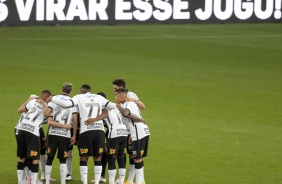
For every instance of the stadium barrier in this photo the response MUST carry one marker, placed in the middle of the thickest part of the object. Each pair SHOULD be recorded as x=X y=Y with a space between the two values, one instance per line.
x=83 y=12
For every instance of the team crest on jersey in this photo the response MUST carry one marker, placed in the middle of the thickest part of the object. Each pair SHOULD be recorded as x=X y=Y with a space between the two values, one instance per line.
x=101 y=150
x=83 y=151
x=66 y=154
x=112 y=151
x=33 y=153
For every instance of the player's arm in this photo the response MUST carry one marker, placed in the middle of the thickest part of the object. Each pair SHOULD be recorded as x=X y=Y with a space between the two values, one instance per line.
x=47 y=111
x=104 y=114
x=136 y=118
x=126 y=113
x=53 y=123
x=66 y=103
x=74 y=128
x=22 y=107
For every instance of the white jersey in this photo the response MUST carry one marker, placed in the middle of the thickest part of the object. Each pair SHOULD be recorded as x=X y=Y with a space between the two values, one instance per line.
x=116 y=124
x=33 y=119
x=62 y=116
x=19 y=122
x=138 y=130
x=132 y=95
x=90 y=106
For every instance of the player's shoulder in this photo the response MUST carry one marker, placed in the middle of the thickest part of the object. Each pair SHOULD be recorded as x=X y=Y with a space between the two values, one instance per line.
x=131 y=94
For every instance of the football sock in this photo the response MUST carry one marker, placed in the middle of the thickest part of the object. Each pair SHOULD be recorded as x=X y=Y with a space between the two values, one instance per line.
x=20 y=171
x=97 y=171
x=63 y=172
x=112 y=174
x=139 y=172
x=83 y=171
x=69 y=163
x=122 y=173
x=42 y=163
x=48 y=170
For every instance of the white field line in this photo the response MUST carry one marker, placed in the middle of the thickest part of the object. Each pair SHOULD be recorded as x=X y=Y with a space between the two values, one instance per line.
x=167 y=36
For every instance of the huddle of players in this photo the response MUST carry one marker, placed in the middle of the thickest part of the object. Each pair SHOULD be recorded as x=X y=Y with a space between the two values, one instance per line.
x=124 y=121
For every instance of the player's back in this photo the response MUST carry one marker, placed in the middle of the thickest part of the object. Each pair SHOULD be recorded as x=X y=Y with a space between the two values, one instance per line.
x=116 y=124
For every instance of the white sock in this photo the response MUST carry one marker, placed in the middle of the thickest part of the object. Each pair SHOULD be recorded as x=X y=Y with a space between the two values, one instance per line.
x=34 y=178
x=143 y=179
x=122 y=173
x=48 y=170
x=63 y=172
x=97 y=173
x=27 y=172
x=42 y=163
x=69 y=163
x=20 y=176
x=139 y=175
x=131 y=173
x=112 y=175
x=84 y=173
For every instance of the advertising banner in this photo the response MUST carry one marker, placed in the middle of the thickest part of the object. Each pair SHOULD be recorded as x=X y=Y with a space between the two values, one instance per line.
x=82 y=12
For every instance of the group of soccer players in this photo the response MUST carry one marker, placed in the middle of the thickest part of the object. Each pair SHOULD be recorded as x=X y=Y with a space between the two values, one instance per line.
x=81 y=121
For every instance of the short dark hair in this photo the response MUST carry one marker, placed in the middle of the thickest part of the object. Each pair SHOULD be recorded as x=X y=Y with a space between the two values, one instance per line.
x=119 y=82
x=102 y=94
x=121 y=90
x=67 y=87
x=46 y=91
x=85 y=88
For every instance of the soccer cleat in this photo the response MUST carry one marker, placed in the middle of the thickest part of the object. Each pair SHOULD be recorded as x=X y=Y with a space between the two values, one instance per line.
x=69 y=177
x=142 y=182
x=43 y=179
x=127 y=182
x=102 y=180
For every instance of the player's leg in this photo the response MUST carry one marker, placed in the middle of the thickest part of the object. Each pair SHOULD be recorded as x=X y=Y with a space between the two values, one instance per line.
x=63 y=149
x=137 y=157
x=21 y=153
x=98 y=150
x=69 y=165
x=112 y=148
x=33 y=150
x=131 y=171
x=84 y=152
x=120 y=159
x=43 y=159
x=51 y=152
x=69 y=161
x=104 y=166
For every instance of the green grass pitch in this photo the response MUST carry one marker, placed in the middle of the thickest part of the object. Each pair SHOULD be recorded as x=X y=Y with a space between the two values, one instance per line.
x=212 y=93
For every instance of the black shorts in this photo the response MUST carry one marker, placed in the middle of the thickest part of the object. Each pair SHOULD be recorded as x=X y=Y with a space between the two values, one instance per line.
x=140 y=148
x=58 y=142
x=92 y=143
x=129 y=147
x=116 y=146
x=28 y=145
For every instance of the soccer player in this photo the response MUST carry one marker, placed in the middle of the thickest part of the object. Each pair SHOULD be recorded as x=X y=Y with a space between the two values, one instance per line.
x=92 y=136
x=59 y=138
x=139 y=132
x=121 y=84
x=26 y=173
x=116 y=142
x=28 y=134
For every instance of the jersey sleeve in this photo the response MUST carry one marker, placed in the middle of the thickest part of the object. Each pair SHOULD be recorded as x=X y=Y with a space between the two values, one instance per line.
x=62 y=101
x=132 y=95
